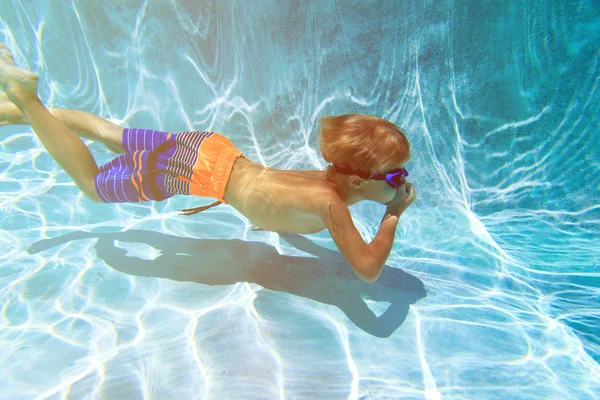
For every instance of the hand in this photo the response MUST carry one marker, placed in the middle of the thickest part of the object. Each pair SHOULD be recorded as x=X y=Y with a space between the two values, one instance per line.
x=405 y=195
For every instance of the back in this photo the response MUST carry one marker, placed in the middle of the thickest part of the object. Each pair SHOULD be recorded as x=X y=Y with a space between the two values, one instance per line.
x=276 y=200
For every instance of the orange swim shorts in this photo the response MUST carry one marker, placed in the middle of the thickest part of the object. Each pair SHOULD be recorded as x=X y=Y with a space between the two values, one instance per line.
x=159 y=164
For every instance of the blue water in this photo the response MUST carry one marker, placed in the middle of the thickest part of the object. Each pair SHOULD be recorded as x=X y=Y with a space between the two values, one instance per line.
x=491 y=290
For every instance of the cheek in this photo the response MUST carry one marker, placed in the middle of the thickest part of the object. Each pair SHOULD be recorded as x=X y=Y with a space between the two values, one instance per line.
x=390 y=192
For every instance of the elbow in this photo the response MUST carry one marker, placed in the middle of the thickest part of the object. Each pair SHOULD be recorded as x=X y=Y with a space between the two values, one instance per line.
x=368 y=279
x=369 y=274
x=371 y=278
x=367 y=268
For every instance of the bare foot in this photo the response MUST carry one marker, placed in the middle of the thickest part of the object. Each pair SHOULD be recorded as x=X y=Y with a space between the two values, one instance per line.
x=18 y=84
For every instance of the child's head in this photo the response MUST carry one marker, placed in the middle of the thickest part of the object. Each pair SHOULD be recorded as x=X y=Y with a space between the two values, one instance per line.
x=362 y=142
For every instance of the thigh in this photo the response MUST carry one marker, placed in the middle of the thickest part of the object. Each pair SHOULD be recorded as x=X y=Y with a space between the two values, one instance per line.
x=92 y=127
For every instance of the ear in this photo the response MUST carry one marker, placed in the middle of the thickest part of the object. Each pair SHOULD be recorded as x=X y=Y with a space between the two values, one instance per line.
x=356 y=182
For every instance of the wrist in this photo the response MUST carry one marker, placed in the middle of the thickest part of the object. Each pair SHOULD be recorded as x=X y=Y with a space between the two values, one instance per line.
x=395 y=212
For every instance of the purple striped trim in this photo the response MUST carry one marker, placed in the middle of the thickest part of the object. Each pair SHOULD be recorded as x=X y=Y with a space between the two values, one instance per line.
x=142 y=139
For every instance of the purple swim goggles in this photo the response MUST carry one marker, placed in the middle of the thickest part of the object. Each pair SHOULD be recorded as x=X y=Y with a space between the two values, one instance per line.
x=395 y=178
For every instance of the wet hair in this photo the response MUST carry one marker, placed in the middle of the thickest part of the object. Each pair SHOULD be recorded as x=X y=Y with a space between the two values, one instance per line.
x=361 y=142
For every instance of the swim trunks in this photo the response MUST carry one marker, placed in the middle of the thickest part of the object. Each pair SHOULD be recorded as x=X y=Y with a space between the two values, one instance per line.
x=159 y=164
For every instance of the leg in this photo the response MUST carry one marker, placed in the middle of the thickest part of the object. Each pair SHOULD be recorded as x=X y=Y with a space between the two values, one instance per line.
x=86 y=125
x=61 y=142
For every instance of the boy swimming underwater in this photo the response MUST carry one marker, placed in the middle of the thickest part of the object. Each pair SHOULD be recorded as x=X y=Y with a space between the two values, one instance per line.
x=367 y=156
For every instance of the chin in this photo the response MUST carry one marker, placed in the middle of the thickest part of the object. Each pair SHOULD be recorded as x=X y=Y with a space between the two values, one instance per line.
x=386 y=202
x=391 y=198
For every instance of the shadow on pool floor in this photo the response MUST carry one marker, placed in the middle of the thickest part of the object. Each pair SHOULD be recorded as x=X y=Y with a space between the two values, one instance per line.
x=325 y=278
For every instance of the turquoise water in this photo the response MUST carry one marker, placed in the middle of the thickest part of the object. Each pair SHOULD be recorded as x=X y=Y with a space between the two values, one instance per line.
x=491 y=290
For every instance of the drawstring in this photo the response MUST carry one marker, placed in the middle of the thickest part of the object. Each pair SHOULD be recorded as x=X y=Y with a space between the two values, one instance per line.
x=196 y=210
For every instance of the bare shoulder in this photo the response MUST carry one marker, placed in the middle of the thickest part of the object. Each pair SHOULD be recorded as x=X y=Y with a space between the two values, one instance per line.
x=318 y=193
x=319 y=200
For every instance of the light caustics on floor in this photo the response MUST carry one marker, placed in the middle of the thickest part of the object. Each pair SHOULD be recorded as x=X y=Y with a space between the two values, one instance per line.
x=135 y=301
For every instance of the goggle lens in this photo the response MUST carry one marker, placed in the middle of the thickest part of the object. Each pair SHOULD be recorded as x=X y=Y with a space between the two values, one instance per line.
x=400 y=178
x=397 y=177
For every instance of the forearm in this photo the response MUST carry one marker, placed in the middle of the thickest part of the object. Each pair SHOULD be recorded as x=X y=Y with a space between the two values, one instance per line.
x=381 y=245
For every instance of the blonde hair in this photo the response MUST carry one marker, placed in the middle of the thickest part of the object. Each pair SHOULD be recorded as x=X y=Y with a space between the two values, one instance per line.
x=361 y=142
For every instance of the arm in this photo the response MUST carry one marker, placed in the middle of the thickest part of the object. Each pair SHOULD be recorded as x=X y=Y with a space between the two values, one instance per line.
x=366 y=260
x=382 y=243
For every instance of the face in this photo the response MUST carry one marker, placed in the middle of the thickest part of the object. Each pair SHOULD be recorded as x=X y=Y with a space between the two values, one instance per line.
x=380 y=190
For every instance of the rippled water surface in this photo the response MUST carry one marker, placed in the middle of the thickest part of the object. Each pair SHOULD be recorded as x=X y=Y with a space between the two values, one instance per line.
x=492 y=287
